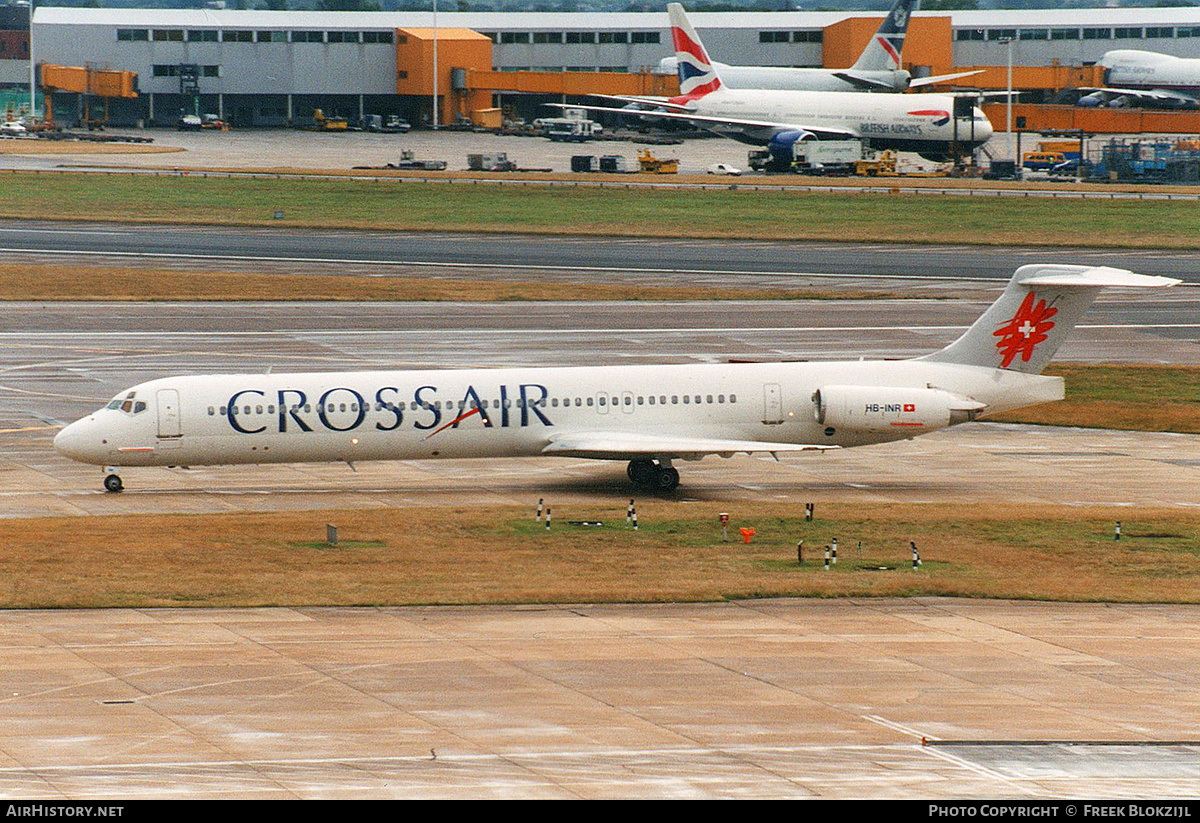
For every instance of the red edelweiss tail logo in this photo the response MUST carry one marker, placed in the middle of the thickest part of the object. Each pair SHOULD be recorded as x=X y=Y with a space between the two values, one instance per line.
x=1024 y=331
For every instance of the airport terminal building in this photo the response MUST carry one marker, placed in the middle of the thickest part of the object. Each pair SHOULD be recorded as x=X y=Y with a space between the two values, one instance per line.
x=263 y=68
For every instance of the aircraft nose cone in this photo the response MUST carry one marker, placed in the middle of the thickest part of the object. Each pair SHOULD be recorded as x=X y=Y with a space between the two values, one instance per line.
x=983 y=130
x=74 y=442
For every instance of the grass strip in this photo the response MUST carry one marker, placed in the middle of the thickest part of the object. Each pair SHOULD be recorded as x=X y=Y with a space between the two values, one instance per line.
x=87 y=283
x=501 y=555
x=1130 y=397
x=469 y=206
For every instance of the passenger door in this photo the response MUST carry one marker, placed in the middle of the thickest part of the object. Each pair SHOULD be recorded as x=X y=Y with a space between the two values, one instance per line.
x=168 y=413
x=772 y=404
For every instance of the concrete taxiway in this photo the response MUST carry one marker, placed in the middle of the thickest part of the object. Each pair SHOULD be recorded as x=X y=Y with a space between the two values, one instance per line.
x=829 y=699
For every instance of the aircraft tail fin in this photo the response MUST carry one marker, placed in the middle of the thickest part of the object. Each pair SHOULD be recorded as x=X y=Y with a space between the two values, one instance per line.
x=697 y=75
x=883 y=52
x=1023 y=329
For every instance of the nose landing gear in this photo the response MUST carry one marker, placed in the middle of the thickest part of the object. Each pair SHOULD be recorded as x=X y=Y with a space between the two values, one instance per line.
x=657 y=474
x=112 y=483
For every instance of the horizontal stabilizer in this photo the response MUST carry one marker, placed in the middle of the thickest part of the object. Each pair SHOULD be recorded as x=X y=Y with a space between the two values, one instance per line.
x=1101 y=276
x=629 y=445
x=863 y=82
x=918 y=82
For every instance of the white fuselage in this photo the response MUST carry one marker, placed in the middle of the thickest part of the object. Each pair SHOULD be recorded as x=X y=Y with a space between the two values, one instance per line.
x=393 y=415
x=1145 y=69
x=907 y=122
x=797 y=79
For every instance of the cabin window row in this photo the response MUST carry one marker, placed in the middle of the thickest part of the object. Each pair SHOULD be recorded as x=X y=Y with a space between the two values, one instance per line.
x=554 y=402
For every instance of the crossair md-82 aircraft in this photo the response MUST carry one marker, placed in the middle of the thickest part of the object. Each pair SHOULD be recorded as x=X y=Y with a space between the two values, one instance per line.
x=932 y=125
x=878 y=68
x=649 y=416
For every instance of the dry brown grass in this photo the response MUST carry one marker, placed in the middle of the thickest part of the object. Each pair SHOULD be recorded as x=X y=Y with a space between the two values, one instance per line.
x=56 y=282
x=55 y=147
x=500 y=555
x=1136 y=397
x=1128 y=415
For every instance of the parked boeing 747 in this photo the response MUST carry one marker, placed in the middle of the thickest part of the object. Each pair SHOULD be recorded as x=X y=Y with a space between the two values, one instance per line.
x=1155 y=80
x=649 y=416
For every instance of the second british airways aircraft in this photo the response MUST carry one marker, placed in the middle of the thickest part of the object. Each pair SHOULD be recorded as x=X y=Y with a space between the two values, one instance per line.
x=935 y=126
x=878 y=68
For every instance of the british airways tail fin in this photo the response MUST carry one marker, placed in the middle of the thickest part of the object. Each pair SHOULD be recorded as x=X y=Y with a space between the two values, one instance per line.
x=883 y=52
x=697 y=75
x=1023 y=329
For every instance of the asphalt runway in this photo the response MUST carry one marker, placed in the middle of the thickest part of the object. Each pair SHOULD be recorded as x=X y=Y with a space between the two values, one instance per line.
x=729 y=258
x=59 y=361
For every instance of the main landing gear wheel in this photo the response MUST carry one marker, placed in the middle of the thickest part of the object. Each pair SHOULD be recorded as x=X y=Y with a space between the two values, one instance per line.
x=642 y=472
x=646 y=472
x=667 y=479
x=112 y=483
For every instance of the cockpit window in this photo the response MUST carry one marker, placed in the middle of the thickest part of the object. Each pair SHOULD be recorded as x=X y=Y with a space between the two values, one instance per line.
x=128 y=404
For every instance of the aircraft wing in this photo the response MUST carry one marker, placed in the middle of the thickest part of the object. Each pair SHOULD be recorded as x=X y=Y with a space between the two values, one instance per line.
x=631 y=445
x=918 y=82
x=726 y=124
x=1147 y=95
x=641 y=101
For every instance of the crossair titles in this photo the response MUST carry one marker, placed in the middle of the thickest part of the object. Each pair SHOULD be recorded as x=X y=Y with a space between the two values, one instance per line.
x=386 y=411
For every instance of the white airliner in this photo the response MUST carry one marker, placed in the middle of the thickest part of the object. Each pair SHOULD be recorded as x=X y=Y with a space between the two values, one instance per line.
x=1158 y=80
x=930 y=124
x=878 y=68
x=647 y=415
